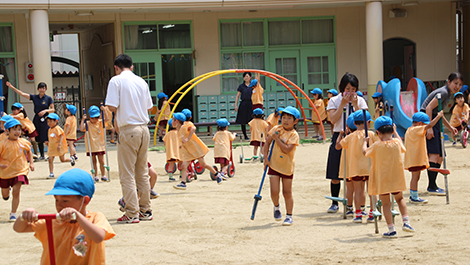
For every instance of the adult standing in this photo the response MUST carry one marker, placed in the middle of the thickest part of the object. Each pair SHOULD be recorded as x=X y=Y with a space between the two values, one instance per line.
x=129 y=97
x=347 y=87
x=43 y=105
x=433 y=141
x=244 y=111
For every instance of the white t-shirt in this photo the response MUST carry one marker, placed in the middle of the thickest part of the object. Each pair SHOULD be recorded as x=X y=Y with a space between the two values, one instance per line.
x=335 y=102
x=130 y=94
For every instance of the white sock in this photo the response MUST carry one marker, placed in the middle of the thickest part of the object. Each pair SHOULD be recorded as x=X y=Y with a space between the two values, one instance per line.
x=277 y=208
x=13 y=214
x=391 y=228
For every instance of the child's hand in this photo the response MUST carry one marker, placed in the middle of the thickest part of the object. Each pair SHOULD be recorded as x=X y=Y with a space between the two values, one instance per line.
x=367 y=139
x=8 y=84
x=84 y=117
x=235 y=134
x=440 y=113
x=454 y=131
x=341 y=133
x=266 y=162
x=29 y=215
x=354 y=98
x=185 y=140
x=58 y=148
x=3 y=166
x=66 y=213
x=46 y=143
x=394 y=127
x=31 y=166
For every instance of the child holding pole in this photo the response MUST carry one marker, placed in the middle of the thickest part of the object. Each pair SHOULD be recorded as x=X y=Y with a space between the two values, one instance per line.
x=282 y=163
x=273 y=118
x=79 y=241
x=258 y=129
x=57 y=145
x=172 y=149
x=18 y=112
x=109 y=123
x=15 y=153
x=222 y=146
x=191 y=148
x=416 y=158
x=386 y=173
x=70 y=128
x=320 y=106
x=95 y=134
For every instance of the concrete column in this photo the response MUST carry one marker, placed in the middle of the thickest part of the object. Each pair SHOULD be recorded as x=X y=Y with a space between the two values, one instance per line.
x=40 y=44
x=374 y=44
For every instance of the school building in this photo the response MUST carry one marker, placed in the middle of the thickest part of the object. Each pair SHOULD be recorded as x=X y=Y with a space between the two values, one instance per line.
x=310 y=42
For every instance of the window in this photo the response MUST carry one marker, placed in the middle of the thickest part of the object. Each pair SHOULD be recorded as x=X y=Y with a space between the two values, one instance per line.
x=248 y=60
x=284 y=32
x=318 y=70
x=317 y=31
x=155 y=36
x=8 y=62
x=231 y=34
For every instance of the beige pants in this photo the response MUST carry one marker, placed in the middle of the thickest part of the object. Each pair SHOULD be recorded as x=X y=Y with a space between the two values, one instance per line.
x=133 y=168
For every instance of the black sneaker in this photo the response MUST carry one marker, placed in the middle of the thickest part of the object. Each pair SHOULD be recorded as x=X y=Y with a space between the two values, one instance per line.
x=147 y=216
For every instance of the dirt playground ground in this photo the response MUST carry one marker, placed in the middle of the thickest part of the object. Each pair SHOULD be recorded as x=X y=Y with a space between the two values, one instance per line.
x=210 y=224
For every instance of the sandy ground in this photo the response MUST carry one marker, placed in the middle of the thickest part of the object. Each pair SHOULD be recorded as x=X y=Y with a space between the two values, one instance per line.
x=210 y=224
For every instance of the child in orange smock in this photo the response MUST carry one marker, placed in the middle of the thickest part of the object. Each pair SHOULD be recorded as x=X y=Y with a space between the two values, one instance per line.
x=57 y=145
x=172 y=149
x=357 y=164
x=162 y=101
x=386 y=173
x=70 y=128
x=222 y=147
x=460 y=114
x=281 y=163
x=109 y=122
x=258 y=130
x=191 y=148
x=18 y=112
x=80 y=241
x=273 y=118
x=14 y=166
x=320 y=106
x=257 y=95
x=416 y=156
x=3 y=120
x=96 y=134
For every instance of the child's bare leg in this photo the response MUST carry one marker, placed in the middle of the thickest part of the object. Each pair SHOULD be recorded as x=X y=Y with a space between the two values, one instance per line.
x=64 y=159
x=101 y=160
x=113 y=132
x=153 y=177
x=363 y=197
x=51 y=164
x=255 y=150
x=95 y=166
x=386 y=204
x=72 y=148
x=316 y=126
x=16 y=197
x=204 y=165
x=350 y=192
x=401 y=204
x=287 y=193
x=160 y=130
x=274 y=184
x=5 y=193
x=184 y=170
x=223 y=168
x=414 y=180
x=358 y=194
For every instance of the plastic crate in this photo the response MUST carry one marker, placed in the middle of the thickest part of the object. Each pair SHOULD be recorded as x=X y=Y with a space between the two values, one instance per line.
x=223 y=114
x=213 y=115
x=223 y=106
x=281 y=103
x=231 y=106
x=271 y=104
x=231 y=98
x=291 y=102
x=203 y=107
x=203 y=119
x=289 y=96
x=281 y=96
x=203 y=115
x=202 y=100
x=223 y=99
x=271 y=96
x=213 y=99
x=213 y=107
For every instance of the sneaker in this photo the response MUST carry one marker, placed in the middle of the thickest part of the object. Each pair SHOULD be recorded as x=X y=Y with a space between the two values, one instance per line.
x=12 y=218
x=370 y=219
x=171 y=178
x=126 y=220
x=147 y=216
x=315 y=136
x=333 y=209
x=364 y=213
x=349 y=212
x=288 y=221
x=320 y=138
x=182 y=186
x=35 y=156
x=41 y=158
x=112 y=142
x=223 y=176
x=277 y=215
x=219 y=178
x=454 y=143
x=51 y=176
x=104 y=178
x=390 y=234
x=72 y=161
x=438 y=192
x=97 y=179
x=408 y=228
x=357 y=219
x=154 y=195
x=75 y=157
x=122 y=205
x=418 y=201
x=247 y=138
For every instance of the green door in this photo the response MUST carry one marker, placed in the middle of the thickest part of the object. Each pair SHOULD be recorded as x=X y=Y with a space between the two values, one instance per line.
x=318 y=69
x=148 y=66
x=286 y=64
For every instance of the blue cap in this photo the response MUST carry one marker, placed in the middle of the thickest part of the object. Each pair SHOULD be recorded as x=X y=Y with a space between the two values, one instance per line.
x=11 y=123
x=377 y=95
x=53 y=116
x=6 y=118
x=253 y=83
x=350 y=122
x=464 y=88
x=258 y=111
x=333 y=91
x=74 y=182
x=94 y=112
x=170 y=121
x=179 y=116
x=71 y=108
x=358 y=116
x=223 y=122
x=17 y=105
x=162 y=95
x=317 y=91
x=359 y=93
x=382 y=121
x=458 y=93
x=421 y=117
x=292 y=111
x=187 y=113
x=279 y=109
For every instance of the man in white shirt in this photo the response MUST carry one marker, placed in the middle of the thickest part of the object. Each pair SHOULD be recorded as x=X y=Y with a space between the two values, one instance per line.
x=129 y=96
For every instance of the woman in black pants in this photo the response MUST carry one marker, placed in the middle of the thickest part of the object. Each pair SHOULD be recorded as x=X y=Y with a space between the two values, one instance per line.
x=244 y=111
x=43 y=105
